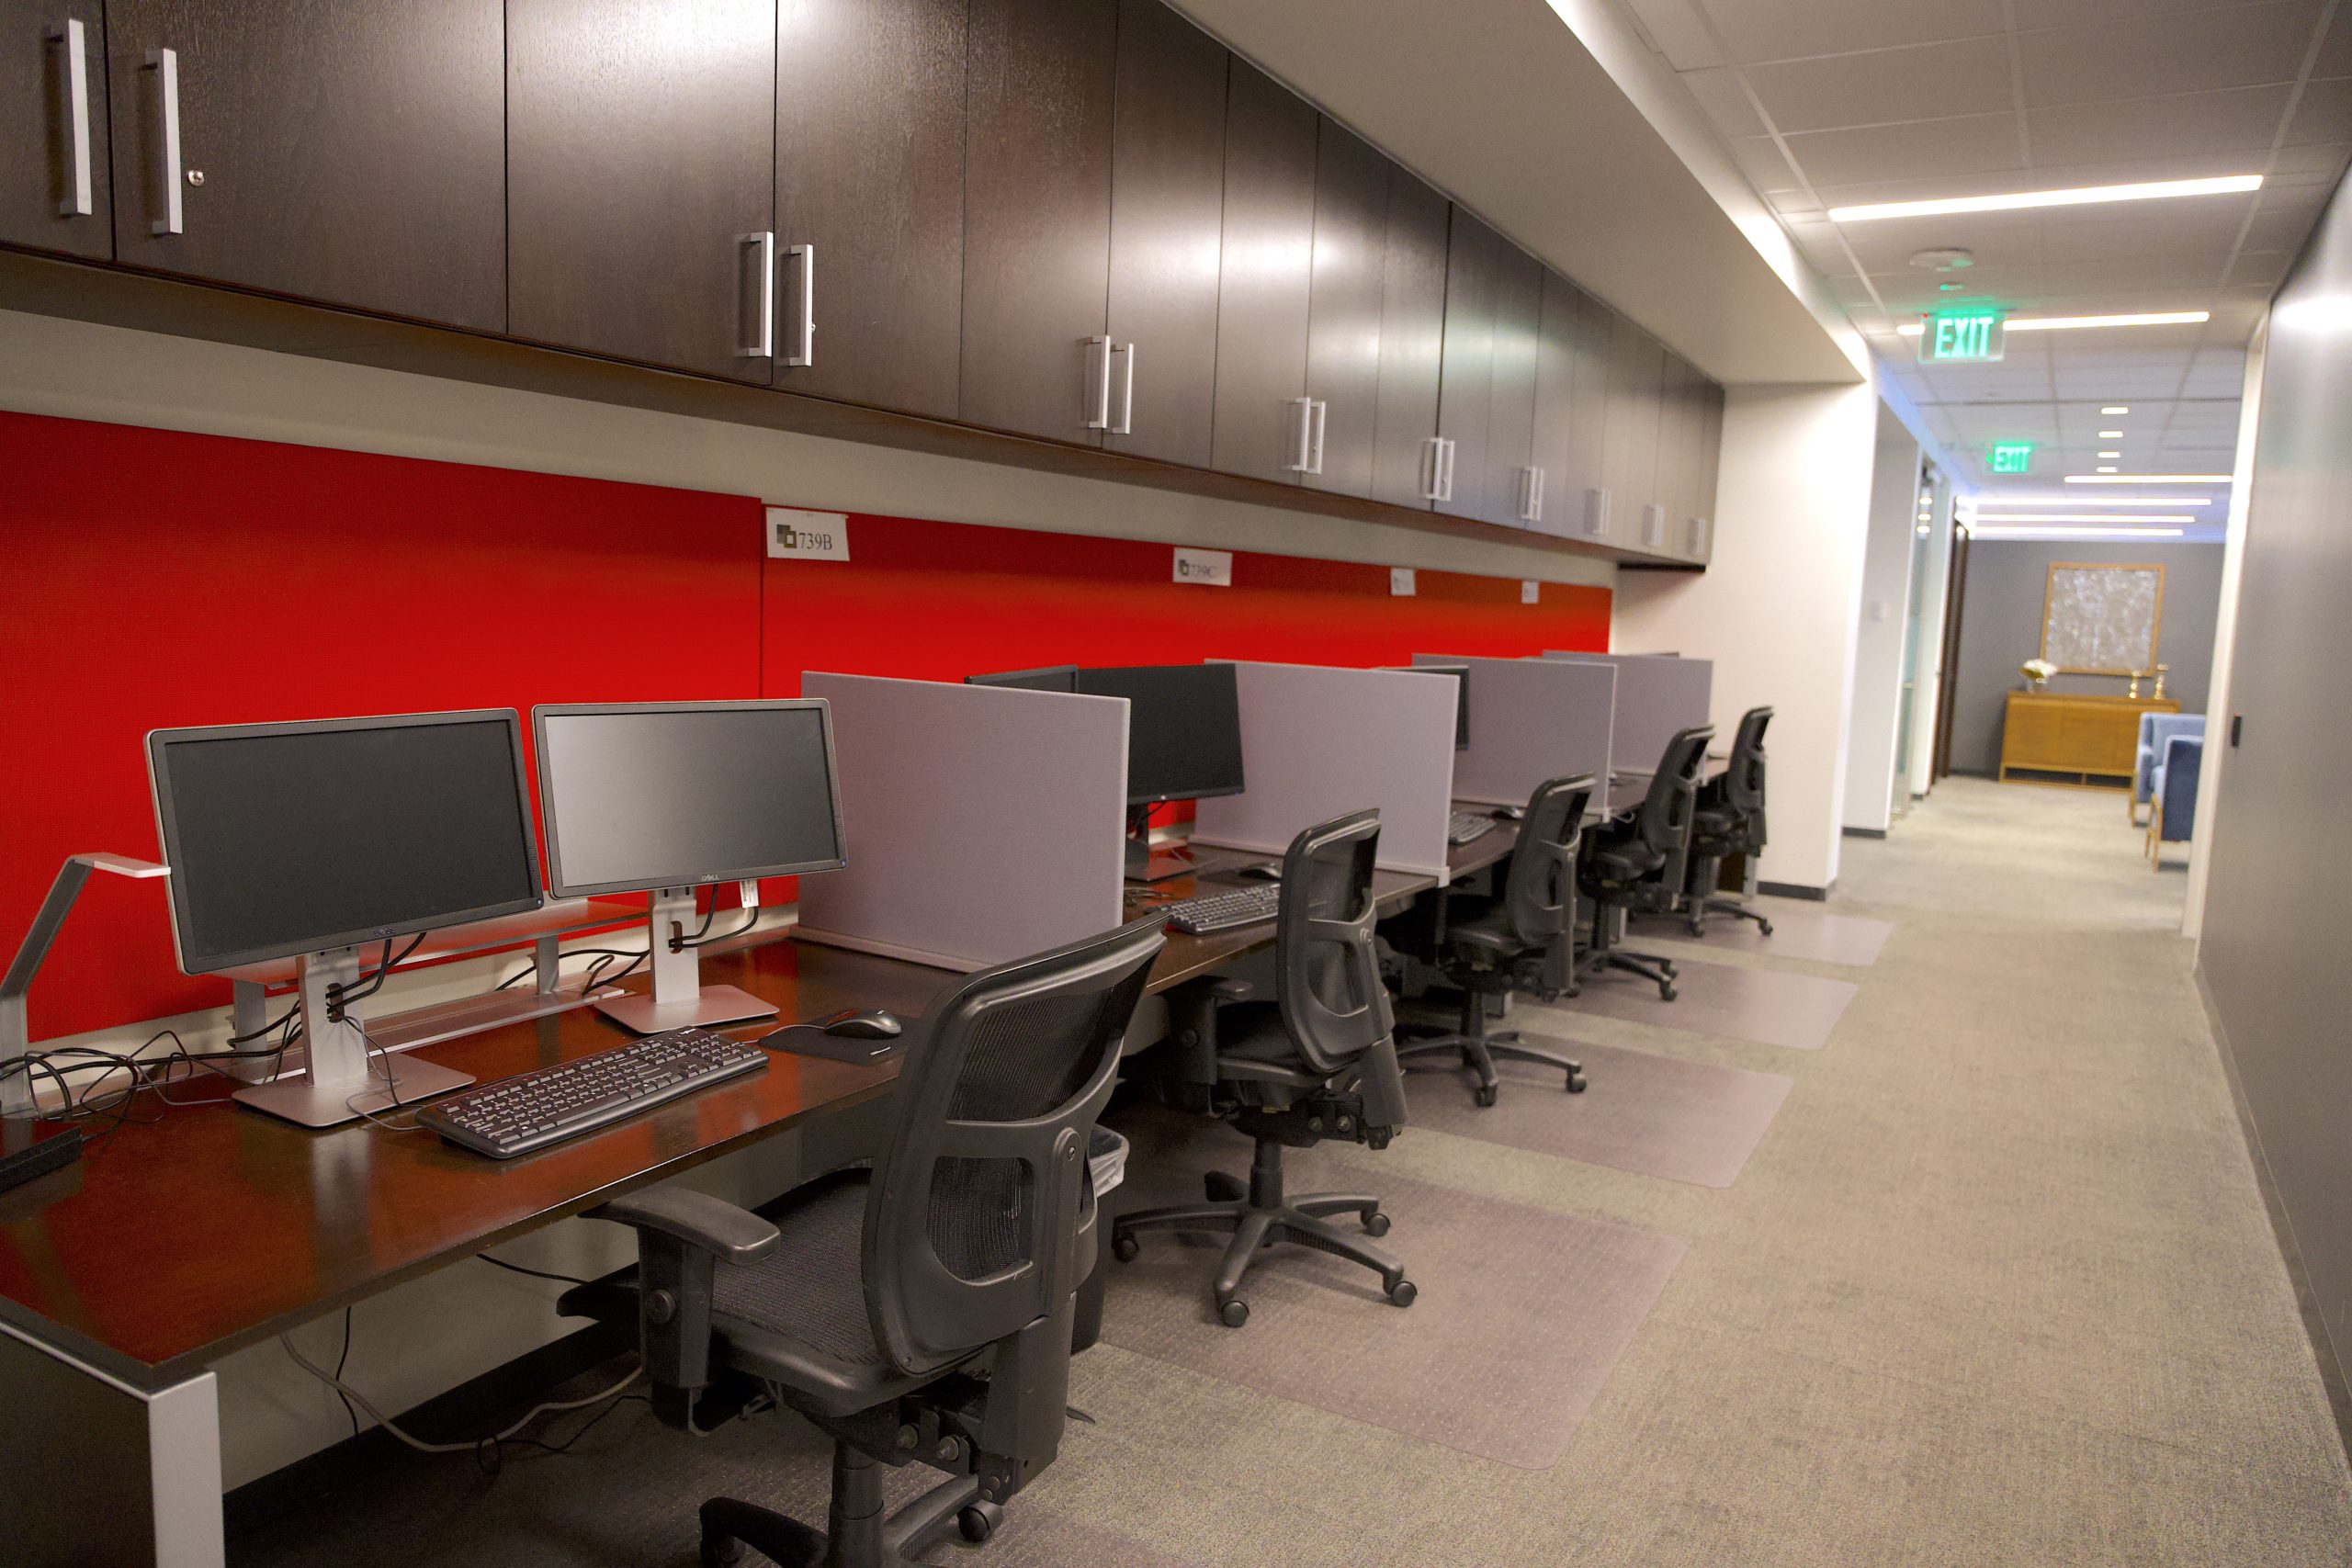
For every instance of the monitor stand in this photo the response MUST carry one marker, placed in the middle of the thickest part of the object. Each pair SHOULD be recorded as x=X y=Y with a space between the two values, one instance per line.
x=343 y=1078
x=678 y=998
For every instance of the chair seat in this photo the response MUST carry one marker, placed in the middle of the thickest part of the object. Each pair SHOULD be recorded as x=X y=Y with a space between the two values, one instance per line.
x=1626 y=859
x=1488 y=934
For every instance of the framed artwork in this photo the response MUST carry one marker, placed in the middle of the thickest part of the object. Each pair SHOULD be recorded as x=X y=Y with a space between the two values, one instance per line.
x=2102 y=619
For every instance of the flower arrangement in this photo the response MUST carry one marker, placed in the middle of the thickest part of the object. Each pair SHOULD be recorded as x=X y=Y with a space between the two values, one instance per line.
x=2037 y=673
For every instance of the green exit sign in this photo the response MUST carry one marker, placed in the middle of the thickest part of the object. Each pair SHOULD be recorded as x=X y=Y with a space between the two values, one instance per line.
x=1963 y=337
x=2009 y=456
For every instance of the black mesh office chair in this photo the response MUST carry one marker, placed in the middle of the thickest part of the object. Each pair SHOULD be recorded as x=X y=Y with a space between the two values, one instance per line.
x=1523 y=942
x=1317 y=1063
x=1639 y=868
x=1729 y=821
x=918 y=1311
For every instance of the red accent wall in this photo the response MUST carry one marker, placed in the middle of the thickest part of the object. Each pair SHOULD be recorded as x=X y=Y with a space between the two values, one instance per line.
x=150 y=578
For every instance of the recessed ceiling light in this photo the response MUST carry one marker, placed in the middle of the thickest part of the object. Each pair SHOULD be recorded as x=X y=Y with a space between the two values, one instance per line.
x=2087 y=517
x=2110 y=454
x=2081 y=195
x=2075 y=323
x=2110 y=435
x=2119 y=408
x=1984 y=533
x=1984 y=500
x=2109 y=476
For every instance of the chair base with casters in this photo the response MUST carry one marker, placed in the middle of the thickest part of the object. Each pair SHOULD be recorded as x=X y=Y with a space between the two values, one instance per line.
x=1602 y=954
x=1468 y=1043
x=856 y=1530
x=1703 y=901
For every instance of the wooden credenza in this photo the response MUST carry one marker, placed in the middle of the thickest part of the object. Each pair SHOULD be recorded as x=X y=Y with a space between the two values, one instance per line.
x=2093 y=738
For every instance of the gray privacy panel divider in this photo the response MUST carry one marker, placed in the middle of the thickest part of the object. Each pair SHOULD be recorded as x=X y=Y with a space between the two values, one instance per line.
x=1530 y=720
x=982 y=823
x=1657 y=693
x=1318 y=742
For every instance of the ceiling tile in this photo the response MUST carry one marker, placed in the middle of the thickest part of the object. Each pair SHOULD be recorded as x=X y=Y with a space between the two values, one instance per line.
x=2045 y=177
x=2237 y=118
x=1674 y=26
x=1759 y=159
x=2183 y=52
x=1935 y=81
x=2181 y=274
x=2280 y=231
x=2267 y=269
x=1973 y=144
x=1726 y=101
x=2320 y=162
x=2199 y=226
x=1758 y=30
x=1996 y=239
x=2324 y=114
x=2036 y=15
x=2335 y=49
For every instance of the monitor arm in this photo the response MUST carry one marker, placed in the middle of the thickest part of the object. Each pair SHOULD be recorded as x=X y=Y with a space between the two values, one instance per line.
x=16 y=1087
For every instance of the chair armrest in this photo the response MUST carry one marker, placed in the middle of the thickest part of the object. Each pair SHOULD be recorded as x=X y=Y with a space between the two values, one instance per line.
x=700 y=1221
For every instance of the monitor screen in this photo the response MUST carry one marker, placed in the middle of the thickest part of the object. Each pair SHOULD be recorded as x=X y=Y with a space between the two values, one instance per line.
x=1052 y=678
x=672 y=794
x=1184 y=729
x=1461 y=673
x=286 y=838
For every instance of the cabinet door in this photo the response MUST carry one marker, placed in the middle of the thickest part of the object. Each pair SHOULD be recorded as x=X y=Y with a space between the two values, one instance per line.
x=1263 y=429
x=1412 y=337
x=55 y=192
x=1167 y=223
x=1556 y=388
x=1344 y=305
x=642 y=138
x=350 y=153
x=1037 y=215
x=869 y=179
x=1671 y=486
x=1711 y=453
x=1465 y=383
x=1511 y=416
x=1629 y=463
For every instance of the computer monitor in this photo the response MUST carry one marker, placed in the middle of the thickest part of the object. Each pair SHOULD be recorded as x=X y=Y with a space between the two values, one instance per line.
x=1183 y=742
x=1051 y=678
x=1461 y=673
x=669 y=796
x=305 y=840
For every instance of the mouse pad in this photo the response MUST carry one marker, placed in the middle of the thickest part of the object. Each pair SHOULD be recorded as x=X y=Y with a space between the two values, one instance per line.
x=811 y=1042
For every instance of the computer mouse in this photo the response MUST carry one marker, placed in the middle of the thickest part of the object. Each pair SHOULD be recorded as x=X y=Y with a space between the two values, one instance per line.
x=873 y=1024
x=1264 y=872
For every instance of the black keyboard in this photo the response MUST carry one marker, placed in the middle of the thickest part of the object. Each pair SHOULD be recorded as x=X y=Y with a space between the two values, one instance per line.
x=1223 y=911
x=516 y=1115
x=1468 y=828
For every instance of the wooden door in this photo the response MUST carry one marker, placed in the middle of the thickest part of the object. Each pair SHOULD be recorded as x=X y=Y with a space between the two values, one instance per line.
x=1263 y=428
x=1511 y=417
x=56 y=190
x=869 y=200
x=1037 y=215
x=350 y=153
x=1167 y=223
x=1344 y=305
x=642 y=162
x=1412 y=338
x=1465 y=381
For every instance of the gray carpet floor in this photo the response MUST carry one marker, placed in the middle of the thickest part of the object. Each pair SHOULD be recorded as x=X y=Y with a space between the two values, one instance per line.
x=1995 y=1288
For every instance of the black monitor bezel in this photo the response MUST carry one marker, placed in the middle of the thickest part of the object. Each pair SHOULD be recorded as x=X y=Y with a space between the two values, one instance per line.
x=541 y=712
x=1239 y=748
x=999 y=679
x=167 y=833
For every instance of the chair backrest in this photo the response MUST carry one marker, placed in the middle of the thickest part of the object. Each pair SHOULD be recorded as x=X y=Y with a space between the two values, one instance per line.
x=1664 y=821
x=1327 y=968
x=2184 y=760
x=971 y=1229
x=1744 y=781
x=1540 y=892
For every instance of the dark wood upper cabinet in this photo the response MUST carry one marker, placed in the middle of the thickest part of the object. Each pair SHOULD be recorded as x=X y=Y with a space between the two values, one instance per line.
x=1037 y=216
x=643 y=163
x=1629 y=462
x=1465 y=383
x=1166 y=218
x=1265 y=423
x=1512 y=484
x=869 y=200
x=1701 y=540
x=1412 y=337
x=1554 y=448
x=56 y=191
x=1344 y=306
x=350 y=153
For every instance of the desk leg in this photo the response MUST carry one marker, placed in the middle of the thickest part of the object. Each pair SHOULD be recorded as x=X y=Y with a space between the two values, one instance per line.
x=96 y=1469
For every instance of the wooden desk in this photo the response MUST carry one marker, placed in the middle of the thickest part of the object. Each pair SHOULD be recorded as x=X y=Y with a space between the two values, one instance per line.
x=2083 y=734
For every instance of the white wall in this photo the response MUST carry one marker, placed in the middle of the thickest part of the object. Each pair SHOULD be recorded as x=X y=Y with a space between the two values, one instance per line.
x=1778 y=607
x=1935 y=563
x=2225 y=631
x=1877 y=642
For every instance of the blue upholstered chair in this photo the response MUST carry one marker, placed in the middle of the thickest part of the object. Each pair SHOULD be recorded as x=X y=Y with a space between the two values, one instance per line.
x=2172 y=794
x=2155 y=729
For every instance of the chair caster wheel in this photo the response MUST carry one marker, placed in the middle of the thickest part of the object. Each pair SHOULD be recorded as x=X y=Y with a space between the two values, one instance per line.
x=1666 y=993
x=1125 y=1247
x=1764 y=927
x=722 y=1551
x=1670 y=970
x=1401 y=1293
x=1375 y=1224
x=977 y=1521
x=1573 y=991
x=1233 y=1312
x=1576 y=1083
x=1484 y=1094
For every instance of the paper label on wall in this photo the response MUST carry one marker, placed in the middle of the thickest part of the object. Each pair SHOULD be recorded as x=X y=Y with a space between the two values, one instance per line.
x=1530 y=591
x=1400 y=581
x=1212 y=567
x=794 y=534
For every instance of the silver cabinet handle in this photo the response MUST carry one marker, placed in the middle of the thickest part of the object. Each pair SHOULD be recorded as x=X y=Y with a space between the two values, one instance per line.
x=1302 y=459
x=1098 y=383
x=1653 y=525
x=1596 y=512
x=1445 y=448
x=163 y=213
x=74 y=92
x=1535 y=511
x=762 y=343
x=1315 y=448
x=1530 y=495
x=1432 y=467
x=805 y=350
x=1125 y=356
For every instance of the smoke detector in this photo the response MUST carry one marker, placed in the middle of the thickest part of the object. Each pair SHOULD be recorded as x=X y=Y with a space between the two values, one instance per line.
x=1944 y=258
